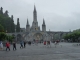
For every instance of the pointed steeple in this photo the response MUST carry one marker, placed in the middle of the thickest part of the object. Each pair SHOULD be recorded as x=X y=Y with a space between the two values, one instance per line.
x=18 y=26
x=35 y=14
x=27 y=22
x=43 y=26
x=34 y=8
x=43 y=22
x=17 y=20
x=27 y=26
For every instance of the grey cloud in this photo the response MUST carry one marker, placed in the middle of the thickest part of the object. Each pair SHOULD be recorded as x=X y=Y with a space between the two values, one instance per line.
x=59 y=15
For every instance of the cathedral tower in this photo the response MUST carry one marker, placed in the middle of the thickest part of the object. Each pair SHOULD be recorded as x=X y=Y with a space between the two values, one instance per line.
x=43 y=26
x=35 y=14
x=35 y=26
x=27 y=26
x=18 y=26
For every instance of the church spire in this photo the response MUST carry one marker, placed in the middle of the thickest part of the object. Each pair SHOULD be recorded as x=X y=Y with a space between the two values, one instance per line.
x=27 y=22
x=43 y=22
x=27 y=26
x=43 y=26
x=34 y=8
x=35 y=26
x=35 y=14
x=18 y=26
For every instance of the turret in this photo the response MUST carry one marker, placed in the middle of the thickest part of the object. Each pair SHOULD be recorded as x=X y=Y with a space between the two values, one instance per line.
x=27 y=26
x=43 y=26
x=18 y=26
x=12 y=24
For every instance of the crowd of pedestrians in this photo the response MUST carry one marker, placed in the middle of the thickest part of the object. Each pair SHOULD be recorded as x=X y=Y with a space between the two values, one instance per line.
x=7 y=45
x=22 y=44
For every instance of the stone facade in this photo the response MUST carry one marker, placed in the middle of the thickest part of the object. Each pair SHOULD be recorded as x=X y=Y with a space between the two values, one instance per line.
x=35 y=33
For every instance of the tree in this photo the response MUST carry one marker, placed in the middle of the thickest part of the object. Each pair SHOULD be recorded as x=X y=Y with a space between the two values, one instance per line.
x=3 y=36
x=1 y=28
x=6 y=21
x=74 y=36
x=1 y=10
x=10 y=38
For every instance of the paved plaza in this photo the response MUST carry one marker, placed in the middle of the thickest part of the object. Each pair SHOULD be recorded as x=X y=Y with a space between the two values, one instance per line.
x=63 y=51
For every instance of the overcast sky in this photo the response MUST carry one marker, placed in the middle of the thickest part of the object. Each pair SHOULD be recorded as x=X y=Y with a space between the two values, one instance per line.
x=59 y=15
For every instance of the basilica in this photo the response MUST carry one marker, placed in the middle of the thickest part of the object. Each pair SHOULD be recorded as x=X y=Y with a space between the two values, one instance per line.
x=34 y=32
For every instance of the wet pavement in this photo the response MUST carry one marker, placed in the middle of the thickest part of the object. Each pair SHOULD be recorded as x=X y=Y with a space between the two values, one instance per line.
x=63 y=51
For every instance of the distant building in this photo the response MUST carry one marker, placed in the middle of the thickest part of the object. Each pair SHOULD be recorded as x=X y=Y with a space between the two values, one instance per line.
x=34 y=32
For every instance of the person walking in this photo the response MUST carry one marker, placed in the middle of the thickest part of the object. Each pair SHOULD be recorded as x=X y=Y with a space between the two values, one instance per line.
x=1 y=45
x=24 y=44
x=21 y=44
x=8 y=46
x=14 y=45
x=44 y=42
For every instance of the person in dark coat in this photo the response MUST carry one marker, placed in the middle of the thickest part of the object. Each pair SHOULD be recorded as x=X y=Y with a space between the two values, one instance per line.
x=14 y=46
x=29 y=42
x=24 y=44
